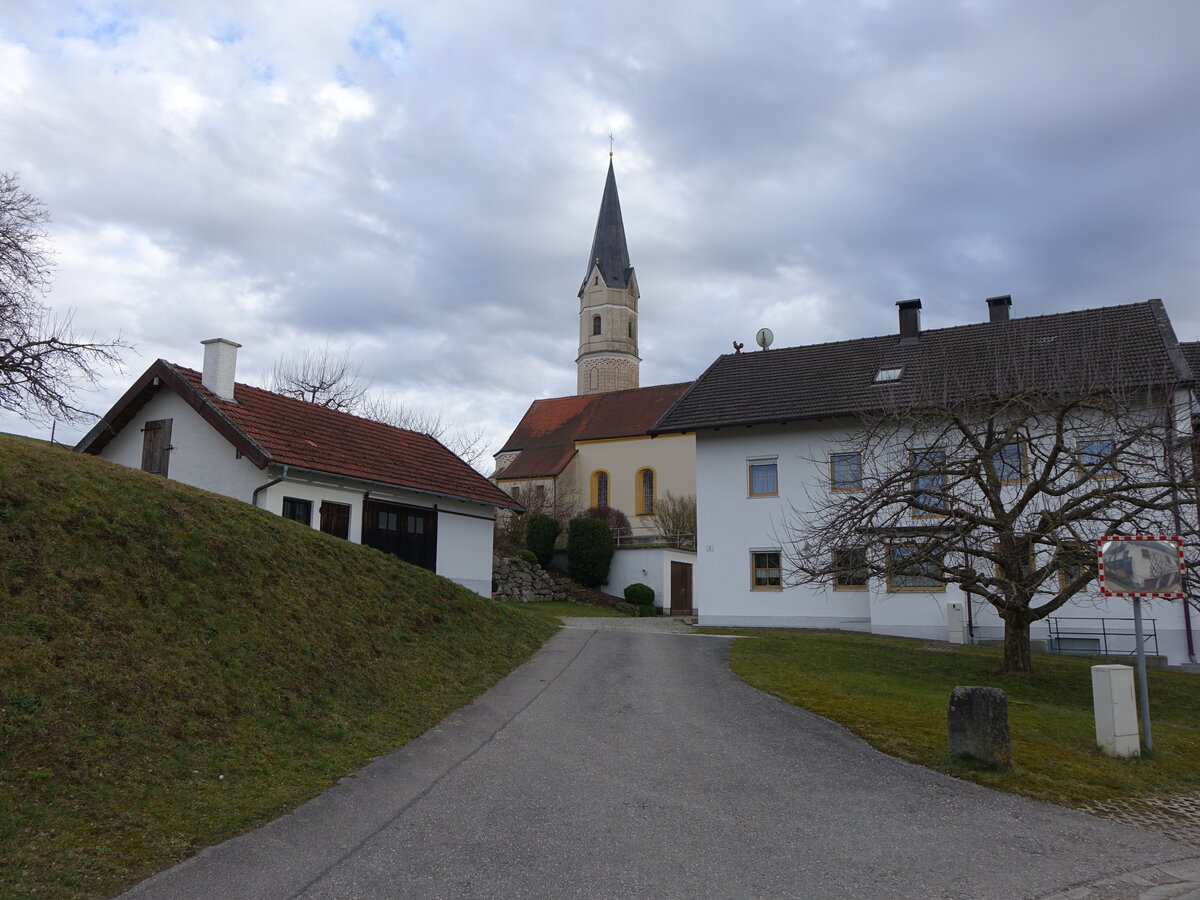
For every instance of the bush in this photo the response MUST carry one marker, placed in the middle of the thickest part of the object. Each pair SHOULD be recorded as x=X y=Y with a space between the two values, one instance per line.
x=640 y=594
x=647 y=609
x=589 y=551
x=541 y=531
x=617 y=521
x=528 y=556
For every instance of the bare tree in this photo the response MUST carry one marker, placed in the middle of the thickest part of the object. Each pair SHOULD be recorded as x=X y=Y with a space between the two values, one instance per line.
x=324 y=377
x=42 y=358
x=468 y=444
x=335 y=380
x=675 y=519
x=997 y=474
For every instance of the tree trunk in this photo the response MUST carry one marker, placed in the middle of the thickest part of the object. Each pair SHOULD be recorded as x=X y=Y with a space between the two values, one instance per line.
x=1017 y=660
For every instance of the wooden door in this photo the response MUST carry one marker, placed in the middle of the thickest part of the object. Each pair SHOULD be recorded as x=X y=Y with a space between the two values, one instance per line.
x=409 y=532
x=681 y=589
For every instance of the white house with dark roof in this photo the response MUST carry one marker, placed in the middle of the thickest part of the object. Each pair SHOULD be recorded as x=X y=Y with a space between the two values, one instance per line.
x=396 y=490
x=771 y=431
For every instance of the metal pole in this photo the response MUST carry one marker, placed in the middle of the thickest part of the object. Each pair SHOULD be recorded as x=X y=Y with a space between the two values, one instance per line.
x=1143 y=692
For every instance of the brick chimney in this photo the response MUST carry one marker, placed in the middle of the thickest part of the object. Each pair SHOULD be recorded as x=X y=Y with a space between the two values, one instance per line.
x=910 y=321
x=998 y=308
x=220 y=366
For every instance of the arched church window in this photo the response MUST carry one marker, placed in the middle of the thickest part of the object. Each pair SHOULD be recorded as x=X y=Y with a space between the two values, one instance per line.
x=600 y=488
x=595 y=324
x=645 y=492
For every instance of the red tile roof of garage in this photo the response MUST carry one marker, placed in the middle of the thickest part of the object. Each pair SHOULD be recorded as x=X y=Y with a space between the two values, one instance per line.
x=546 y=435
x=270 y=428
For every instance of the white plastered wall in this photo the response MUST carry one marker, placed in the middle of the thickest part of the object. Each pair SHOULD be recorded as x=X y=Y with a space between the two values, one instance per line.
x=200 y=456
x=730 y=524
x=672 y=457
x=650 y=566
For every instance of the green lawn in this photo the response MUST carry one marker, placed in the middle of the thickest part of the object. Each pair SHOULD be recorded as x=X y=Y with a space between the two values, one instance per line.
x=176 y=667
x=894 y=693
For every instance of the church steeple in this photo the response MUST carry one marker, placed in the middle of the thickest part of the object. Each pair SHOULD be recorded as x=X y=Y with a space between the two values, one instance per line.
x=608 y=304
x=609 y=250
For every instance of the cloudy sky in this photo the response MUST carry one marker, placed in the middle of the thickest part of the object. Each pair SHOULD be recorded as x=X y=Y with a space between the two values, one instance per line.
x=419 y=181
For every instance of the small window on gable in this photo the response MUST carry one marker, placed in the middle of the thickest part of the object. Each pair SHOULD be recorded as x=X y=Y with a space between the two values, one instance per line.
x=515 y=493
x=297 y=510
x=595 y=324
x=888 y=375
x=764 y=478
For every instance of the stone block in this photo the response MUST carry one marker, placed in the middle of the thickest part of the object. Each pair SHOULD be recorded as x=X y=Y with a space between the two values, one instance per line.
x=978 y=725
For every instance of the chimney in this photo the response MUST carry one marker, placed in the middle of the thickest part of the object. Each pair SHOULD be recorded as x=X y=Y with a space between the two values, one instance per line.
x=220 y=365
x=998 y=308
x=910 y=321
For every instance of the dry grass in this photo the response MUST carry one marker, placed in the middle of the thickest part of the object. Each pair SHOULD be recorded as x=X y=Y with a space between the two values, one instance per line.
x=177 y=667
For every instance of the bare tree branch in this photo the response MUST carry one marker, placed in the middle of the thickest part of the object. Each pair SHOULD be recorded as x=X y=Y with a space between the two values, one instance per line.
x=42 y=358
x=335 y=380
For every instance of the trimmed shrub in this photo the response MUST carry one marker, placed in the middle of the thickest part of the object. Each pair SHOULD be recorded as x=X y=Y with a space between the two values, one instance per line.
x=640 y=594
x=528 y=556
x=647 y=609
x=617 y=521
x=589 y=551
x=541 y=531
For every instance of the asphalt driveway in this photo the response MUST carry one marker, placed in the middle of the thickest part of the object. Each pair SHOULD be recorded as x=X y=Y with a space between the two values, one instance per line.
x=627 y=763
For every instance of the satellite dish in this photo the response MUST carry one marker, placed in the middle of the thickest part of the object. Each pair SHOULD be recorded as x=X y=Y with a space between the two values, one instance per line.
x=764 y=337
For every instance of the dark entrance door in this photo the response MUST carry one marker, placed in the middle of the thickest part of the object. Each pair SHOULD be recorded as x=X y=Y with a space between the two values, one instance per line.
x=409 y=532
x=681 y=589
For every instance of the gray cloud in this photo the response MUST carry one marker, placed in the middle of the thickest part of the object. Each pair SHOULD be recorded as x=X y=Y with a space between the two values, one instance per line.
x=421 y=181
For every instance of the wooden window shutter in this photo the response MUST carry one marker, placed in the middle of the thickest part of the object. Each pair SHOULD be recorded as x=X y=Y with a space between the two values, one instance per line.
x=156 y=446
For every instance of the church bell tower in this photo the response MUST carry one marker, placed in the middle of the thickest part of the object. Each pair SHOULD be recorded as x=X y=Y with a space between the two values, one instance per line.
x=608 y=305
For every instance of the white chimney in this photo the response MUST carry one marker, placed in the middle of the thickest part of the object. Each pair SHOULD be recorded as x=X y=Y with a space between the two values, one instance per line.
x=220 y=366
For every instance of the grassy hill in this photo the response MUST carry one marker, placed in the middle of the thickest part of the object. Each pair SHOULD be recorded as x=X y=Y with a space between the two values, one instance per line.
x=177 y=666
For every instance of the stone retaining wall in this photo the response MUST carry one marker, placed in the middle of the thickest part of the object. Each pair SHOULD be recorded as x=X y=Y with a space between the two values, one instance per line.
x=517 y=581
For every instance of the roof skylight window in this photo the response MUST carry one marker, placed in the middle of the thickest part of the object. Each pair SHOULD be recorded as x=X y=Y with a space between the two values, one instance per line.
x=887 y=375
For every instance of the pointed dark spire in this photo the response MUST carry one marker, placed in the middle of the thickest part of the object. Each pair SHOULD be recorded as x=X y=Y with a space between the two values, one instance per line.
x=608 y=245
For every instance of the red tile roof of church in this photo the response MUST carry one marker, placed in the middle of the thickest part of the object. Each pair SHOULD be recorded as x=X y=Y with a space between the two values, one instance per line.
x=546 y=435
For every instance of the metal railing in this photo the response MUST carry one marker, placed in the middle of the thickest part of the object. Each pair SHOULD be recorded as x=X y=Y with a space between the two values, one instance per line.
x=678 y=540
x=1099 y=637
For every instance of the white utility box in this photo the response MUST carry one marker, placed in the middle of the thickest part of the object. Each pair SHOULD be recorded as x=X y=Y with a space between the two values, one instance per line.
x=955 y=624
x=1116 y=710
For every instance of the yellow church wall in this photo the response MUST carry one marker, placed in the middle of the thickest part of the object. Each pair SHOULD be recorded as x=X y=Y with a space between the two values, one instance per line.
x=672 y=458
